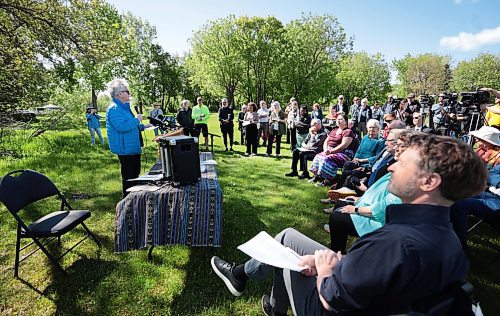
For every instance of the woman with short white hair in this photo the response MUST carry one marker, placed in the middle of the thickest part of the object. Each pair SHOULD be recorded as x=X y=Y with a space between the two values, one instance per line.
x=124 y=132
x=277 y=127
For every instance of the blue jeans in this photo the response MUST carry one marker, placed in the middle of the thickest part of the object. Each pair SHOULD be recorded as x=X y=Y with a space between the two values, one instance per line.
x=92 y=135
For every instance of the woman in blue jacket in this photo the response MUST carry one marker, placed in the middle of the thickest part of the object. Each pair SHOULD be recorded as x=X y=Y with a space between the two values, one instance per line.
x=94 y=125
x=124 y=132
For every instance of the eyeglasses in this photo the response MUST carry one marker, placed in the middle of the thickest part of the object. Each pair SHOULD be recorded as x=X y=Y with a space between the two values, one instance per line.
x=128 y=92
x=390 y=140
x=416 y=117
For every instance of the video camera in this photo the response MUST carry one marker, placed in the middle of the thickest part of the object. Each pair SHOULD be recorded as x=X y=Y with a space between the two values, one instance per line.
x=163 y=122
x=426 y=100
x=474 y=100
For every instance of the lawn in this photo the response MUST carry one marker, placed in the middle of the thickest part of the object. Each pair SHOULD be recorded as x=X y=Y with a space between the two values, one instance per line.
x=179 y=281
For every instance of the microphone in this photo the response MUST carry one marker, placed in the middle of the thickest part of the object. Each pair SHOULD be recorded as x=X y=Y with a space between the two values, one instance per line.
x=137 y=109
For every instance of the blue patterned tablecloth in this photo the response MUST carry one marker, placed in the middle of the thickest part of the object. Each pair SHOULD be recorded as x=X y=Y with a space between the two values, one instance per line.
x=188 y=215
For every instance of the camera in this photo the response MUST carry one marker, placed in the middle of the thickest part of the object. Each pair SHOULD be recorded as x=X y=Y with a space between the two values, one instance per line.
x=475 y=99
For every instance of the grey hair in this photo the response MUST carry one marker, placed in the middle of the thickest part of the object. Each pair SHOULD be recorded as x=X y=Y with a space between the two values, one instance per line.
x=376 y=122
x=316 y=121
x=276 y=103
x=396 y=124
x=184 y=102
x=116 y=86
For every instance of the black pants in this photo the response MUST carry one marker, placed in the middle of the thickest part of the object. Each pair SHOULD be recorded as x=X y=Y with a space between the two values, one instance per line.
x=263 y=133
x=130 y=168
x=227 y=129
x=341 y=226
x=293 y=138
x=242 y=134
x=301 y=156
x=272 y=135
x=251 y=136
x=347 y=170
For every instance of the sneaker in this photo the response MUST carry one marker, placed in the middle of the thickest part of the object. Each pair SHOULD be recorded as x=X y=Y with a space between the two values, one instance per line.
x=253 y=155
x=312 y=180
x=247 y=154
x=326 y=227
x=326 y=201
x=305 y=175
x=291 y=174
x=328 y=210
x=267 y=155
x=267 y=308
x=224 y=270
x=321 y=184
x=278 y=155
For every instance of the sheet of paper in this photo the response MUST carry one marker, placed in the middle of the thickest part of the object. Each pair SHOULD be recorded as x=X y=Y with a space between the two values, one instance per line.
x=151 y=127
x=145 y=187
x=266 y=249
x=245 y=123
x=148 y=177
x=208 y=162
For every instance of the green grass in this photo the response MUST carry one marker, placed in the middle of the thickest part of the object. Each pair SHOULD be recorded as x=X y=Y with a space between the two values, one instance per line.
x=179 y=281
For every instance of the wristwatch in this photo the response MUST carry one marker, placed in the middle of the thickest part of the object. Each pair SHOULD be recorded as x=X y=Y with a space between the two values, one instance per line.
x=356 y=210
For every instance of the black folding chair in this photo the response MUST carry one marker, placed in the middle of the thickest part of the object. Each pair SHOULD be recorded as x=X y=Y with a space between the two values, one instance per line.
x=21 y=188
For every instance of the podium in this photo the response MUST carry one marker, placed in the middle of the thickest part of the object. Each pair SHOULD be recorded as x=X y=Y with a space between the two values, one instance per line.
x=180 y=159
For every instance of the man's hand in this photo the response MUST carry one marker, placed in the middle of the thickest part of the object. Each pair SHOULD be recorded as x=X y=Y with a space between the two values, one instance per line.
x=325 y=260
x=308 y=262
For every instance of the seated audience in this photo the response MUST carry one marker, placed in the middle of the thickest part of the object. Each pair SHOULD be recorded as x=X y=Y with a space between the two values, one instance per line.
x=312 y=145
x=371 y=145
x=368 y=211
x=338 y=148
x=416 y=254
x=486 y=205
x=277 y=128
x=418 y=124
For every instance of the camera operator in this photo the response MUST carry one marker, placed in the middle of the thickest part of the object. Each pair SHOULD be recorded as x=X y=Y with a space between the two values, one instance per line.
x=442 y=112
x=412 y=107
x=94 y=125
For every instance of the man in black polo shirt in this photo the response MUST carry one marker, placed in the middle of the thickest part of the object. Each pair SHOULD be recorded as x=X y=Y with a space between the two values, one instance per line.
x=416 y=254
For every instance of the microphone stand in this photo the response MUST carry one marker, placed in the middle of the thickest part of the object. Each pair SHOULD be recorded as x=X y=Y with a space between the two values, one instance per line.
x=212 y=141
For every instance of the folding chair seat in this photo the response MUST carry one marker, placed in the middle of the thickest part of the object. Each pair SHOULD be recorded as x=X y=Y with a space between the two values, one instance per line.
x=21 y=188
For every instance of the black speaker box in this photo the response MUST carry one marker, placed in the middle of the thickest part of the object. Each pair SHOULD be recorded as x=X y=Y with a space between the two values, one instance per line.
x=180 y=158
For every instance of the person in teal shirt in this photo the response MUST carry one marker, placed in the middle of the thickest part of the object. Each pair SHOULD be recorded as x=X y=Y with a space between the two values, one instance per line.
x=368 y=212
x=200 y=115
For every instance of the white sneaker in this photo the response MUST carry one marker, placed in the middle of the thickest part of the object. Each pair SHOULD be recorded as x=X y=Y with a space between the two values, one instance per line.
x=253 y=155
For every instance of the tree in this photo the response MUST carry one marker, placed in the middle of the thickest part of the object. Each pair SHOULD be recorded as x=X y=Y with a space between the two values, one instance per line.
x=313 y=48
x=215 y=64
x=363 y=75
x=481 y=71
x=422 y=74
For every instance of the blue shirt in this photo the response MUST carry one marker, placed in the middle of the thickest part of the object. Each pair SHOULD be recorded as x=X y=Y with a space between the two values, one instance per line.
x=369 y=148
x=93 y=120
x=377 y=198
x=415 y=255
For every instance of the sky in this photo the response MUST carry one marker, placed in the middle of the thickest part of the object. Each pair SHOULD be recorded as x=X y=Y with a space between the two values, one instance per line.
x=461 y=29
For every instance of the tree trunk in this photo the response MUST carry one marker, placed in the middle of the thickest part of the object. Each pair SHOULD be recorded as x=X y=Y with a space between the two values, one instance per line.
x=94 y=98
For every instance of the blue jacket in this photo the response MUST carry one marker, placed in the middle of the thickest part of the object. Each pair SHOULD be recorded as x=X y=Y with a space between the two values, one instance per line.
x=93 y=120
x=123 y=129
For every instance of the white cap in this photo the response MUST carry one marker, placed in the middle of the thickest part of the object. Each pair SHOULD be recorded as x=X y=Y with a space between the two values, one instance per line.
x=488 y=134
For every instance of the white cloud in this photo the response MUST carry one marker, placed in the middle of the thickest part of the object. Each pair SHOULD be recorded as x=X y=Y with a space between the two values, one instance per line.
x=468 y=41
x=457 y=1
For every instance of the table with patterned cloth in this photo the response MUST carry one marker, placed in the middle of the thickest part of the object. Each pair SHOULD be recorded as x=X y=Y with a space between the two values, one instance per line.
x=188 y=215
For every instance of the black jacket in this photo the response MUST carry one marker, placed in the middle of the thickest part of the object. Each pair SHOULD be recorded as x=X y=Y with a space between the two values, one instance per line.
x=184 y=118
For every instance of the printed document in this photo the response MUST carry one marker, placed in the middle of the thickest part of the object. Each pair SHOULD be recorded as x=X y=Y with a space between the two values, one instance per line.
x=268 y=250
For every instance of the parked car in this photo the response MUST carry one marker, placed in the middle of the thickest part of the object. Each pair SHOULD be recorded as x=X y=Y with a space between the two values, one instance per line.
x=24 y=115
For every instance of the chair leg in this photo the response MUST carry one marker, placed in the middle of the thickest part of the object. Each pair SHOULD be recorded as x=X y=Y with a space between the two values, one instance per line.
x=18 y=246
x=49 y=255
x=91 y=235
